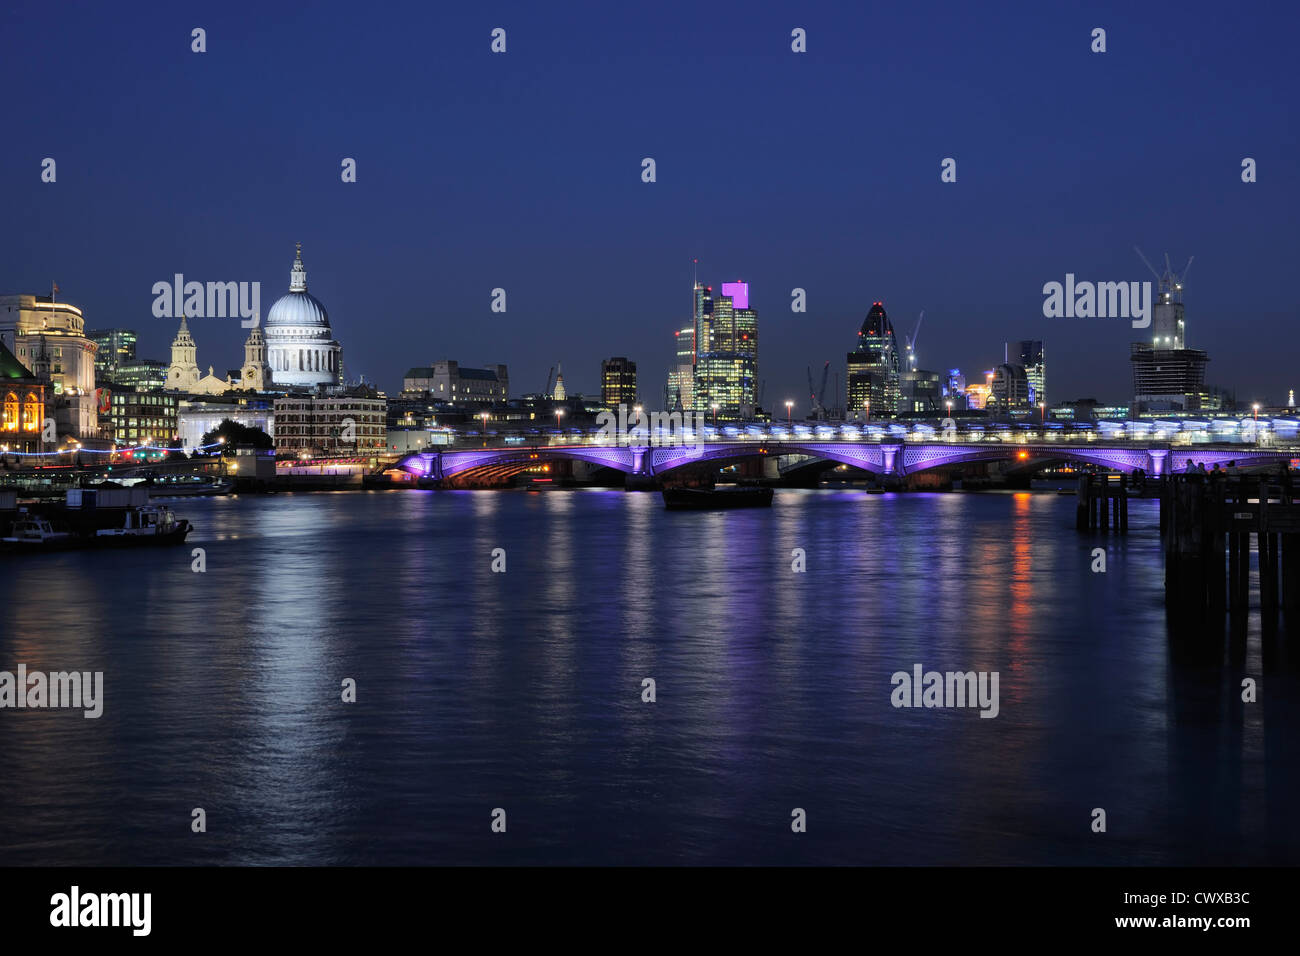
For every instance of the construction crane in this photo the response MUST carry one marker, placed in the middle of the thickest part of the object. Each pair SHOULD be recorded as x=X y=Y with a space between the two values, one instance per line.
x=817 y=397
x=911 y=343
x=1170 y=282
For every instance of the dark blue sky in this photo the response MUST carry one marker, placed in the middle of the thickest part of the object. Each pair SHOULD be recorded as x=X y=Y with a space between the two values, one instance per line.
x=522 y=170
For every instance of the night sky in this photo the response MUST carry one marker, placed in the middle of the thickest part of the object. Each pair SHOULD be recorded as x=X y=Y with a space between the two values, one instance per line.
x=818 y=170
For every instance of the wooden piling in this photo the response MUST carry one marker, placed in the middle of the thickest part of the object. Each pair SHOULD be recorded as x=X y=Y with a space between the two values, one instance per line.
x=1207 y=524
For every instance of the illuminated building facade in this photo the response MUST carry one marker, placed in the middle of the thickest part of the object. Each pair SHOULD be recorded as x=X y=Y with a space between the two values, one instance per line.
x=726 y=352
x=617 y=382
x=147 y=418
x=872 y=372
x=353 y=425
x=196 y=418
x=978 y=395
x=49 y=339
x=22 y=405
x=680 y=392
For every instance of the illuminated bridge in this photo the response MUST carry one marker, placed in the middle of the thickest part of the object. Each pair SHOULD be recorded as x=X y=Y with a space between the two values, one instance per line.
x=886 y=457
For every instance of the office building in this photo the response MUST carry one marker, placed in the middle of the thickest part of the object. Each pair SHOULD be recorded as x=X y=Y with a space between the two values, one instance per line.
x=450 y=382
x=114 y=348
x=1029 y=355
x=141 y=375
x=680 y=392
x=351 y=424
x=1009 y=390
x=726 y=352
x=143 y=418
x=618 y=382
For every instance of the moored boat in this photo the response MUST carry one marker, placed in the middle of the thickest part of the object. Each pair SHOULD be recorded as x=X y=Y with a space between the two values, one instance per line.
x=34 y=533
x=189 y=485
x=150 y=525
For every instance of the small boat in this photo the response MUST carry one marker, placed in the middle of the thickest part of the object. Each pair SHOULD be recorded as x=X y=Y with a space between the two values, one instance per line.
x=151 y=525
x=32 y=533
x=188 y=485
x=708 y=499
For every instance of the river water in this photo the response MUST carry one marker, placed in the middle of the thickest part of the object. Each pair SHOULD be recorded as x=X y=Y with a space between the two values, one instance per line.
x=522 y=689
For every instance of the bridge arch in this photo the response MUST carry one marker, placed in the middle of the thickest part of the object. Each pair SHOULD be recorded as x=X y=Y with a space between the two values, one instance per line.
x=897 y=458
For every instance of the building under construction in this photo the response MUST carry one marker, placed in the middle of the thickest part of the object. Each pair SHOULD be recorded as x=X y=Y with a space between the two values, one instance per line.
x=1168 y=377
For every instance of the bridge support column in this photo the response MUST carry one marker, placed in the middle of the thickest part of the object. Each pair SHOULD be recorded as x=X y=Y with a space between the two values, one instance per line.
x=1157 y=459
x=891 y=470
x=642 y=476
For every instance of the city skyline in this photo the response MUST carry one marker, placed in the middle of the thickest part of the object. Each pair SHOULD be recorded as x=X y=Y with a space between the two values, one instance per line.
x=465 y=173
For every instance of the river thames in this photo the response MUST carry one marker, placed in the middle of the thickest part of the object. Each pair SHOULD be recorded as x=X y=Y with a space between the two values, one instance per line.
x=522 y=689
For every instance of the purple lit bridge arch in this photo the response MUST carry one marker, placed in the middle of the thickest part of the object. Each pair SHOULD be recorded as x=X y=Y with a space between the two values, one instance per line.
x=897 y=459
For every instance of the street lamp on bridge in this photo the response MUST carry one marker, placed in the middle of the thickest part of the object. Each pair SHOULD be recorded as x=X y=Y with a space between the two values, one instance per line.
x=789 y=412
x=714 y=406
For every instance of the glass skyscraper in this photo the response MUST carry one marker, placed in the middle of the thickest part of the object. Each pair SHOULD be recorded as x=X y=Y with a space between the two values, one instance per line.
x=872 y=369
x=1028 y=354
x=726 y=352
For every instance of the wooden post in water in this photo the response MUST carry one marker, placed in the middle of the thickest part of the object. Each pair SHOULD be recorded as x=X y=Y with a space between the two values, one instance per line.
x=1123 y=504
x=1267 y=553
x=1215 y=545
x=1081 y=505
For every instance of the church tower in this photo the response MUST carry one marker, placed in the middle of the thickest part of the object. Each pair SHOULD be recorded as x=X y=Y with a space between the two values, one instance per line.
x=256 y=373
x=183 y=373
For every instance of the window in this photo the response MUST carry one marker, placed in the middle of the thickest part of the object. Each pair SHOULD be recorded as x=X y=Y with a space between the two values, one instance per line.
x=9 y=421
x=32 y=413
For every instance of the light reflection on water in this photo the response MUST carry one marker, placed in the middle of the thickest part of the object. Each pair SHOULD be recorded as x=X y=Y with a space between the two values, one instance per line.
x=523 y=689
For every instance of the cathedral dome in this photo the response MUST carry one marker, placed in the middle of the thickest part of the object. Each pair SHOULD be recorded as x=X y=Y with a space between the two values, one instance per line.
x=300 y=347
x=298 y=309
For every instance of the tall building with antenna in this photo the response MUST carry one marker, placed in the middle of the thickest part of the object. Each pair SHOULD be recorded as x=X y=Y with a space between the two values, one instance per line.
x=726 y=352
x=1168 y=377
